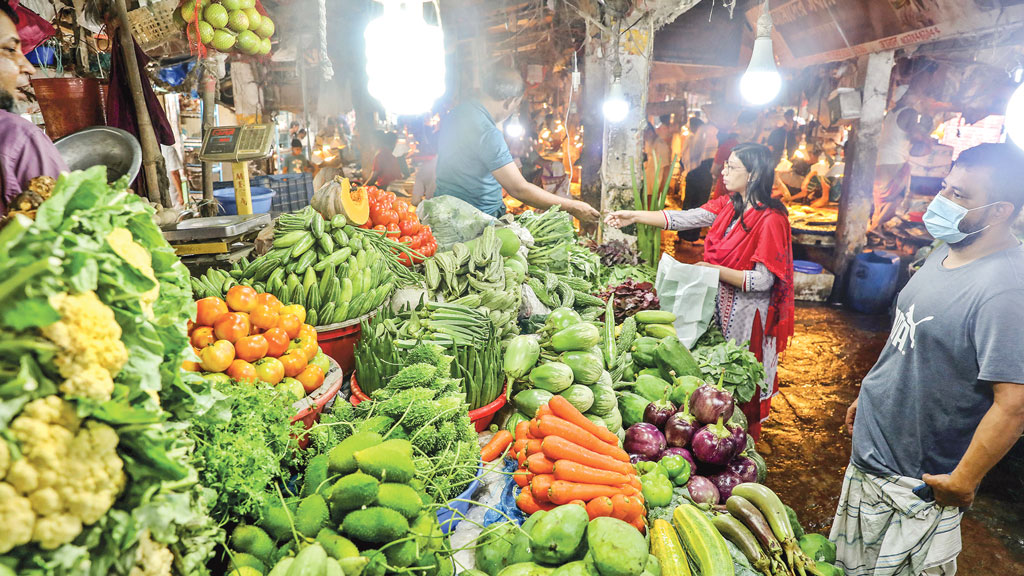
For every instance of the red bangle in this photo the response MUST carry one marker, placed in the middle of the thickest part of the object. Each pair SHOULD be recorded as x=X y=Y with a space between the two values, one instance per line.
x=664 y=213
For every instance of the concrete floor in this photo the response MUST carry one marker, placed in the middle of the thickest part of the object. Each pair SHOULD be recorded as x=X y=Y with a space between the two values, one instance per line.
x=806 y=446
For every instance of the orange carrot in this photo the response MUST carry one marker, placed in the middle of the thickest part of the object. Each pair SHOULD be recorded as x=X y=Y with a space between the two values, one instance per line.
x=562 y=492
x=554 y=426
x=532 y=447
x=576 y=472
x=521 y=477
x=521 y=458
x=539 y=464
x=628 y=489
x=635 y=508
x=497 y=446
x=634 y=481
x=565 y=410
x=640 y=523
x=601 y=506
x=556 y=448
x=518 y=445
x=539 y=485
x=579 y=503
x=535 y=428
x=621 y=507
x=527 y=504
x=544 y=410
x=522 y=430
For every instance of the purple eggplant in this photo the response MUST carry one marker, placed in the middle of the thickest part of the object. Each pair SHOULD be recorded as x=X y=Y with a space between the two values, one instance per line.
x=702 y=491
x=739 y=438
x=644 y=439
x=634 y=458
x=657 y=412
x=745 y=468
x=674 y=450
x=680 y=428
x=725 y=482
x=713 y=444
x=711 y=403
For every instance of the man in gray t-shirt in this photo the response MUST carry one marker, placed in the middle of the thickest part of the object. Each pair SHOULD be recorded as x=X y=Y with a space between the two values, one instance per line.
x=944 y=402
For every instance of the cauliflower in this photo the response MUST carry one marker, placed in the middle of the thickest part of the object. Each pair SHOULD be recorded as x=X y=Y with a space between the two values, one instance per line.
x=68 y=476
x=17 y=518
x=89 y=337
x=122 y=243
x=152 y=558
x=5 y=458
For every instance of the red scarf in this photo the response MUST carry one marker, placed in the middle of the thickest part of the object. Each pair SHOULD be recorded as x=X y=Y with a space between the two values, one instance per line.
x=767 y=240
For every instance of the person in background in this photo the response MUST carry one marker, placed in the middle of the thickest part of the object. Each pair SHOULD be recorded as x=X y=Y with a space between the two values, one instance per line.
x=426 y=173
x=474 y=163
x=750 y=245
x=175 y=174
x=743 y=131
x=25 y=151
x=386 y=168
x=297 y=162
x=658 y=162
x=783 y=138
x=945 y=401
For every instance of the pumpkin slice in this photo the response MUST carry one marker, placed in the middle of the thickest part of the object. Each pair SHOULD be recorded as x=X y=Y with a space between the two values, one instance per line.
x=355 y=203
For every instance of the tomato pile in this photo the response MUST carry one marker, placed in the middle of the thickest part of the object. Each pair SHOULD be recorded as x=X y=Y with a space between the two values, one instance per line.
x=251 y=336
x=398 y=220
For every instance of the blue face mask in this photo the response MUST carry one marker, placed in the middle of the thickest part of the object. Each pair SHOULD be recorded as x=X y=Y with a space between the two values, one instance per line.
x=943 y=217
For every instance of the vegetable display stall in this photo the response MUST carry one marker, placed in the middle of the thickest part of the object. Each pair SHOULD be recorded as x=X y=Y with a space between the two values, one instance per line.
x=147 y=417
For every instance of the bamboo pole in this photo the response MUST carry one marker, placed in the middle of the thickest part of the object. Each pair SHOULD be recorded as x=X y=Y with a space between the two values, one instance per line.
x=147 y=136
x=209 y=94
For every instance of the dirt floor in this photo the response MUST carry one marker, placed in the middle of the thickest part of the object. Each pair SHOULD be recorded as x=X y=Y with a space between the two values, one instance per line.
x=807 y=448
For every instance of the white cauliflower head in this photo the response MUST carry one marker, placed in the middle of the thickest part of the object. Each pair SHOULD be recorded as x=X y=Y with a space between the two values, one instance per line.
x=17 y=518
x=69 y=473
x=152 y=558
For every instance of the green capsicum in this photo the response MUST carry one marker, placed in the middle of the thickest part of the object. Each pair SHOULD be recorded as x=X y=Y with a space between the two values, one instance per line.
x=656 y=488
x=677 y=467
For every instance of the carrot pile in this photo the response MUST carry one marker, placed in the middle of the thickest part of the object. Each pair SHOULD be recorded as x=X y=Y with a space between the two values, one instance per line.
x=564 y=458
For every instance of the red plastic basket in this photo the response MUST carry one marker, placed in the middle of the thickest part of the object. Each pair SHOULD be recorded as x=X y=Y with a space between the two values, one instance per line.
x=310 y=407
x=481 y=417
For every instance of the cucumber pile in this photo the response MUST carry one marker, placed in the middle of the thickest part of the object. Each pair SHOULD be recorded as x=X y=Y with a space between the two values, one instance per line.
x=334 y=270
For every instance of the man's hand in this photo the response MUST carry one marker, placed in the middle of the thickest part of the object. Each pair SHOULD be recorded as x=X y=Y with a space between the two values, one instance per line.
x=583 y=212
x=949 y=490
x=851 y=413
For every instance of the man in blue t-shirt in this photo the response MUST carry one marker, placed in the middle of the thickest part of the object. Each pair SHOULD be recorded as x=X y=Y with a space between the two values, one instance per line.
x=945 y=401
x=473 y=161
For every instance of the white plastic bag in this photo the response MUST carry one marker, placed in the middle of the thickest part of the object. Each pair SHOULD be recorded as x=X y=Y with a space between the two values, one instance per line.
x=452 y=220
x=689 y=292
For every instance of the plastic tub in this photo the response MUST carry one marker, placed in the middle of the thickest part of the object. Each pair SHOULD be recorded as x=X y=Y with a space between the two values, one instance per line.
x=873 y=278
x=69 y=104
x=339 y=340
x=457 y=509
x=309 y=408
x=261 y=200
x=806 y=267
x=483 y=415
x=42 y=56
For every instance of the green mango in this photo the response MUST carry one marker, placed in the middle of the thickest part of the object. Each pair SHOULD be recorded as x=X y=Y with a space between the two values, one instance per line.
x=651 y=387
x=522 y=548
x=558 y=535
x=650 y=372
x=653 y=566
x=495 y=549
x=618 y=548
x=577 y=568
x=632 y=407
x=527 y=569
x=472 y=573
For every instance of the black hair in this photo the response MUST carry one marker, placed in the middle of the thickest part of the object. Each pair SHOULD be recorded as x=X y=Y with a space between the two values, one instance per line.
x=503 y=83
x=789 y=114
x=695 y=122
x=1005 y=165
x=758 y=161
x=6 y=8
x=665 y=119
x=296 y=143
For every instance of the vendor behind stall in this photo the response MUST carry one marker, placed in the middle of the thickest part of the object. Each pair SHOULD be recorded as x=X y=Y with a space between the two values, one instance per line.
x=473 y=160
x=25 y=151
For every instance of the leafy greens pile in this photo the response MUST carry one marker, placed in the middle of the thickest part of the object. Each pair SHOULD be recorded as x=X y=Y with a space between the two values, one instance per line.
x=93 y=337
x=735 y=365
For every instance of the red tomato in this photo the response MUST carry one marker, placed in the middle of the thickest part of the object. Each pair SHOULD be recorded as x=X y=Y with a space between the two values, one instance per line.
x=382 y=229
x=208 y=310
x=242 y=371
x=217 y=356
x=232 y=327
x=389 y=198
x=252 y=348
x=294 y=363
x=270 y=370
x=241 y=298
x=366 y=225
x=402 y=207
x=312 y=377
x=294 y=309
x=405 y=259
x=393 y=231
x=389 y=217
x=263 y=317
x=376 y=213
x=409 y=226
x=202 y=337
x=290 y=323
x=277 y=341
x=407 y=240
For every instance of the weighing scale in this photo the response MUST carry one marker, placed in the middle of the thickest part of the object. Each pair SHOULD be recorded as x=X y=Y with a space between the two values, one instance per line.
x=238 y=145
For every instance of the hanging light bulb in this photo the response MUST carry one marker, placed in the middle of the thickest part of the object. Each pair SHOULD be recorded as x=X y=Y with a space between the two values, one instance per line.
x=514 y=128
x=1014 y=120
x=761 y=82
x=404 y=58
x=615 y=107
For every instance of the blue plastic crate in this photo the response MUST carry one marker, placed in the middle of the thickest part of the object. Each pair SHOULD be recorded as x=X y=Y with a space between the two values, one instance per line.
x=293 y=191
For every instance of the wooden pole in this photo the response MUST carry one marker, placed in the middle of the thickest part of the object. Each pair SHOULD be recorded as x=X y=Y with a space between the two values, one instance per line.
x=858 y=182
x=594 y=83
x=209 y=94
x=147 y=136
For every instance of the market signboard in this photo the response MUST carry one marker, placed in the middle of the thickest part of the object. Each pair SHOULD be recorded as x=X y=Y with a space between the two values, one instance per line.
x=813 y=31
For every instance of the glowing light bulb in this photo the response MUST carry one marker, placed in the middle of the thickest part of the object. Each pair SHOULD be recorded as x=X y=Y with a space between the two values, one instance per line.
x=514 y=128
x=761 y=82
x=615 y=107
x=404 y=59
x=1015 y=116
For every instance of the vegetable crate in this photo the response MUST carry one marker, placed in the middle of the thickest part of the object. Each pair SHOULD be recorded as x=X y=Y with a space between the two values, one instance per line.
x=309 y=408
x=293 y=192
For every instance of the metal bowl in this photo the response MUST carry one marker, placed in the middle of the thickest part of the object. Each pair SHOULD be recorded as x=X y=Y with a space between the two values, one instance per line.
x=114 y=148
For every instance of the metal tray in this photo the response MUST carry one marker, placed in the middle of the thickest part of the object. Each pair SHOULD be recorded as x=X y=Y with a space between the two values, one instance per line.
x=215 y=227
